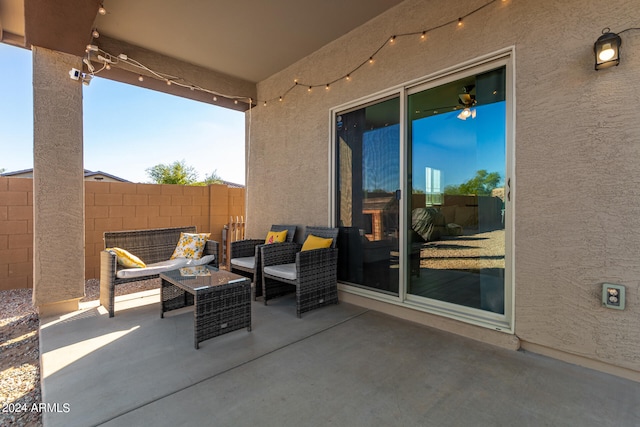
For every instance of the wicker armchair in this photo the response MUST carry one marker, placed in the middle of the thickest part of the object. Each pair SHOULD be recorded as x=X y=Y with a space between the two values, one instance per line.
x=312 y=274
x=245 y=257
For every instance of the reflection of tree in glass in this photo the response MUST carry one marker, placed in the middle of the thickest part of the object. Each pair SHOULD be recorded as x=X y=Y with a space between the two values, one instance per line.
x=481 y=184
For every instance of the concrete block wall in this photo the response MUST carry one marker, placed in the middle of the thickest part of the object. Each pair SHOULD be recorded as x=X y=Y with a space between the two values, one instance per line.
x=110 y=206
x=16 y=233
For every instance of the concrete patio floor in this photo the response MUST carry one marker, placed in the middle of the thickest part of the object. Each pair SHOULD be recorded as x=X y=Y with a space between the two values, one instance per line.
x=340 y=365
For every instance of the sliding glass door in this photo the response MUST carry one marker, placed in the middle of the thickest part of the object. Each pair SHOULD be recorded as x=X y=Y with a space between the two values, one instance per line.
x=368 y=195
x=422 y=194
x=456 y=215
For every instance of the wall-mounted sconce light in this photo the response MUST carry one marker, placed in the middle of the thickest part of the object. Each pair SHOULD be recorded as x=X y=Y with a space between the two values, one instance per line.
x=607 y=49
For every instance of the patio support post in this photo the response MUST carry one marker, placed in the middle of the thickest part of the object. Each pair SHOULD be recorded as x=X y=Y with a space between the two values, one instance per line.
x=58 y=183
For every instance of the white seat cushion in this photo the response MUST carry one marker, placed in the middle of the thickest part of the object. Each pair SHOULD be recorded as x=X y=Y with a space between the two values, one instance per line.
x=286 y=271
x=160 y=267
x=150 y=269
x=244 y=262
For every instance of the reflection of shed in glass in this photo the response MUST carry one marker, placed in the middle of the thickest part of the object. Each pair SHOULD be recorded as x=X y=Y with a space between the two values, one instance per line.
x=434 y=191
x=376 y=225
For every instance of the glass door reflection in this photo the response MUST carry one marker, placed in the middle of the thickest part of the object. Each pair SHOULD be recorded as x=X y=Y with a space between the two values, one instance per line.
x=457 y=143
x=368 y=206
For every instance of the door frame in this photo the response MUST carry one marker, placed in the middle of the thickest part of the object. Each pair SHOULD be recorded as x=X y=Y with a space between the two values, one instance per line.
x=346 y=108
x=500 y=322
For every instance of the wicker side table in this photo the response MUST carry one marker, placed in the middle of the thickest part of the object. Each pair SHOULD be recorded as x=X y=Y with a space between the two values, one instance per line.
x=221 y=300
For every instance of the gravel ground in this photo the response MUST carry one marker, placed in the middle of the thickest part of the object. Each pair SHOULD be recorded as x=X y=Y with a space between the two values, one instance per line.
x=19 y=360
x=469 y=252
x=20 y=352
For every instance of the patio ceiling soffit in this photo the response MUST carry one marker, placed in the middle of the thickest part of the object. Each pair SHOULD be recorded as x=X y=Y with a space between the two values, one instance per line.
x=66 y=26
x=12 y=22
x=214 y=85
x=61 y=25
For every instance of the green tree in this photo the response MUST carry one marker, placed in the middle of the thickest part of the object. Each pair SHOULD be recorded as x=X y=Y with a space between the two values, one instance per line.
x=214 y=178
x=2 y=170
x=177 y=172
x=481 y=184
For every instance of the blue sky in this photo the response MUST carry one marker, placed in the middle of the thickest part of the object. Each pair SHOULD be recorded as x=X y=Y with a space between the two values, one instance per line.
x=126 y=129
x=459 y=148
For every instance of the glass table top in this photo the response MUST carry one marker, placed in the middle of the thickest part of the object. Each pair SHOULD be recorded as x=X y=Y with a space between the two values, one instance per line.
x=202 y=277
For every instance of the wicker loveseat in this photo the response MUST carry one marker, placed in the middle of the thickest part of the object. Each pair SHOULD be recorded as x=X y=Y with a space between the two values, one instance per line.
x=151 y=246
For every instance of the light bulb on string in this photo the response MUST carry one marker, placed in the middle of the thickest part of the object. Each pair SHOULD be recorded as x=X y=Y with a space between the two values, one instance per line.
x=140 y=78
x=180 y=82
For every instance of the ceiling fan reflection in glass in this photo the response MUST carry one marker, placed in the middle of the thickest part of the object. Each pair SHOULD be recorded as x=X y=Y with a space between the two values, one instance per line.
x=467 y=113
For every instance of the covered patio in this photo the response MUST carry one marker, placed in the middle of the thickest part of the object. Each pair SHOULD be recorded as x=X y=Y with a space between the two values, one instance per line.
x=568 y=209
x=340 y=365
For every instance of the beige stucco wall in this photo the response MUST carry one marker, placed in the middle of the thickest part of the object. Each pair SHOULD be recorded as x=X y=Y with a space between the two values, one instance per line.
x=577 y=221
x=57 y=179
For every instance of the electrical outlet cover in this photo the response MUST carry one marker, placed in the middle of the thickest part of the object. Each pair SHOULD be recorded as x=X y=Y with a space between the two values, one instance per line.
x=613 y=296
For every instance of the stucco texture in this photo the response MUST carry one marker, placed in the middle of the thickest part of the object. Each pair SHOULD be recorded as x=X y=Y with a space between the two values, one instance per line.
x=58 y=180
x=576 y=185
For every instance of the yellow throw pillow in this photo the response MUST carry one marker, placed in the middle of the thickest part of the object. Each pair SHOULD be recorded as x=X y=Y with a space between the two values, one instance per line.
x=276 y=237
x=127 y=259
x=190 y=245
x=315 y=242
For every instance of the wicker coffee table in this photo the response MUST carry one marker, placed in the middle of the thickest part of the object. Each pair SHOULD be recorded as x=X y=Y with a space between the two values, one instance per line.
x=221 y=300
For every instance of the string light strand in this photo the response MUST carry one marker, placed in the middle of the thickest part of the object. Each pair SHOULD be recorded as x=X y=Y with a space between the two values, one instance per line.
x=390 y=40
x=108 y=60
